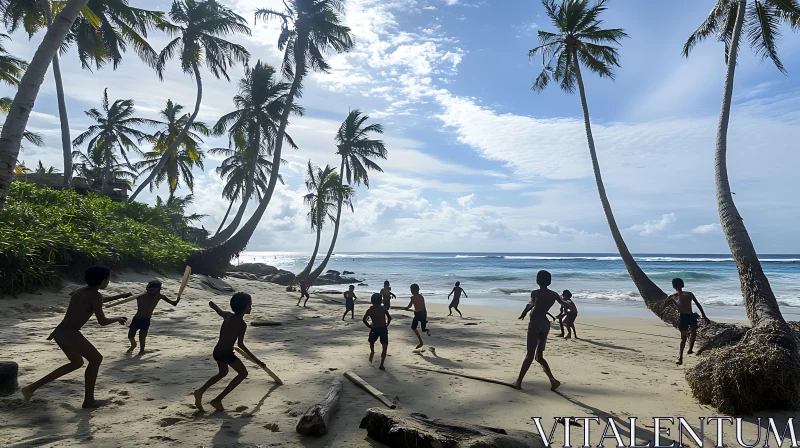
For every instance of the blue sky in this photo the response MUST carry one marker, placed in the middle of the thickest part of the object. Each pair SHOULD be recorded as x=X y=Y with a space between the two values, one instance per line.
x=477 y=160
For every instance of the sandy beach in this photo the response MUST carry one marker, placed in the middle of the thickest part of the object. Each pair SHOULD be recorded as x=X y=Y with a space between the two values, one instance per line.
x=621 y=367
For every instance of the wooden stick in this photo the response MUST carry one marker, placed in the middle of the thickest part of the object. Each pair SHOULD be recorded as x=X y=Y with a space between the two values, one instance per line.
x=367 y=387
x=264 y=323
x=315 y=421
x=186 y=273
x=120 y=302
x=472 y=377
x=266 y=369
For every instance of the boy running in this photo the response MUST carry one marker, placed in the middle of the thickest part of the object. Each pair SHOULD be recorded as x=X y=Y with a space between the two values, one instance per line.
x=570 y=313
x=379 y=329
x=84 y=302
x=420 y=314
x=387 y=295
x=146 y=304
x=688 y=320
x=456 y=293
x=231 y=331
x=349 y=302
x=303 y=293
x=542 y=300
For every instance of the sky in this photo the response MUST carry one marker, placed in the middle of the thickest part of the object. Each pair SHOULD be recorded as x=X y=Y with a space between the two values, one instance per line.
x=477 y=161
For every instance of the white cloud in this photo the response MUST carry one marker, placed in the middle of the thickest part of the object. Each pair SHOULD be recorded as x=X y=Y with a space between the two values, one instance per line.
x=707 y=229
x=466 y=201
x=651 y=227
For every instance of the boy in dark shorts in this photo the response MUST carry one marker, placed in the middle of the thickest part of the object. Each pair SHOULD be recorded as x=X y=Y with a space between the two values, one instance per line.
x=456 y=293
x=232 y=330
x=542 y=300
x=146 y=304
x=84 y=302
x=387 y=295
x=379 y=328
x=349 y=302
x=570 y=313
x=688 y=319
x=303 y=293
x=420 y=314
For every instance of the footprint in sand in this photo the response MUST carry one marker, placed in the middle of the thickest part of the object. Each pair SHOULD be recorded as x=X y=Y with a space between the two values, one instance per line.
x=272 y=427
x=169 y=421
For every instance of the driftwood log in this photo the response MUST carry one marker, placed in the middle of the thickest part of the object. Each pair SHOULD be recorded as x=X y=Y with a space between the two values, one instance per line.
x=315 y=421
x=398 y=430
x=8 y=377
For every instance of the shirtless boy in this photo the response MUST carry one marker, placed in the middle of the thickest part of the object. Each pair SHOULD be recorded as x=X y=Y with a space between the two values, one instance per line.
x=84 y=302
x=688 y=320
x=146 y=304
x=570 y=313
x=420 y=314
x=303 y=293
x=387 y=295
x=232 y=330
x=379 y=320
x=542 y=300
x=349 y=302
x=456 y=293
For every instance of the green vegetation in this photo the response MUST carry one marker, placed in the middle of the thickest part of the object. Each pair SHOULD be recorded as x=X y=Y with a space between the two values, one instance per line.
x=45 y=232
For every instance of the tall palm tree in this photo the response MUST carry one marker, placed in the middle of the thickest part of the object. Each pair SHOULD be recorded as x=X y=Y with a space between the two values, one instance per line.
x=102 y=32
x=92 y=166
x=113 y=133
x=187 y=156
x=761 y=19
x=257 y=116
x=580 y=39
x=357 y=149
x=199 y=42
x=309 y=30
x=11 y=68
x=321 y=199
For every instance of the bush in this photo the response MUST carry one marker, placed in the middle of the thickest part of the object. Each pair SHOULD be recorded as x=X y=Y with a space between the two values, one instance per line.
x=46 y=232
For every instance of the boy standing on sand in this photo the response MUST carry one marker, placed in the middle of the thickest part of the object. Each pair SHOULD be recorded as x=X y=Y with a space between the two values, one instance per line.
x=456 y=293
x=420 y=314
x=387 y=295
x=542 y=300
x=349 y=302
x=570 y=313
x=146 y=304
x=84 y=302
x=688 y=320
x=232 y=329
x=379 y=329
x=303 y=293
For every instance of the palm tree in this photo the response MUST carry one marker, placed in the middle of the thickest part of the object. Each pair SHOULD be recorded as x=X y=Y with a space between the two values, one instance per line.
x=11 y=68
x=256 y=119
x=309 y=30
x=113 y=133
x=187 y=156
x=357 y=149
x=321 y=198
x=199 y=42
x=102 y=32
x=770 y=344
x=92 y=166
x=175 y=208
x=580 y=39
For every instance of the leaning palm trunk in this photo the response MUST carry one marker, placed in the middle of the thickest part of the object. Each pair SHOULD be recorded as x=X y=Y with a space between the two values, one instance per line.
x=225 y=218
x=758 y=367
x=317 y=272
x=223 y=235
x=304 y=273
x=174 y=145
x=215 y=260
x=66 y=144
x=653 y=295
x=31 y=82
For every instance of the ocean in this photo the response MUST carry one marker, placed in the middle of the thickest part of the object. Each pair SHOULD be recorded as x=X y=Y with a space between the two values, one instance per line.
x=599 y=282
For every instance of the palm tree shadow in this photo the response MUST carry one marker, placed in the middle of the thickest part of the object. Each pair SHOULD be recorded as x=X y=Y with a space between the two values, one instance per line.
x=231 y=426
x=606 y=345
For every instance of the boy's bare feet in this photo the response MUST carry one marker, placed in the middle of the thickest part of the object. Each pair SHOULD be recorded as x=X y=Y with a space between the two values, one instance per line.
x=690 y=351
x=381 y=367
x=429 y=332
x=198 y=400
x=554 y=384
x=371 y=356
x=419 y=346
x=27 y=393
x=133 y=346
x=95 y=404
x=679 y=362
x=516 y=385
x=568 y=337
x=217 y=404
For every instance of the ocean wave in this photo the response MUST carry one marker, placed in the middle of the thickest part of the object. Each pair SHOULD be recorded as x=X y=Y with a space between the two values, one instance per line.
x=480 y=256
x=510 y=291
x=686 y=275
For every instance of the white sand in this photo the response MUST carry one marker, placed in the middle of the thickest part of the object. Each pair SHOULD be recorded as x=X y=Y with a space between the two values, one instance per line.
x=620 y=368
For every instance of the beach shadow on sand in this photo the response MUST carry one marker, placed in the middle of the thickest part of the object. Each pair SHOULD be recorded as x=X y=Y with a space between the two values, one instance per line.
x=606 y=345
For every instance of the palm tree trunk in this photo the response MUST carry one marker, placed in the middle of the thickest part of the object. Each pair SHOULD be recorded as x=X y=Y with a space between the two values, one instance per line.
x=313 y=276
x=759 y=300
x=66 y=144
x=225 y=218
x=174 y=145
x=304 y=273
x=215 y=260
x=31 y=82
x=651 y=293
x=106 y=172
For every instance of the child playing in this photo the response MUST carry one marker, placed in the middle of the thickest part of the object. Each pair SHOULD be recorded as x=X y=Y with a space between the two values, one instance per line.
x=84 y=302
x=232 y=329
x=380 y=318
x=456 y=293
x=420 y=314
x=688 y=318
x=387 y=295
x=349 y=302
x=303 y=293
x=570 y=313
x=146 y=304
